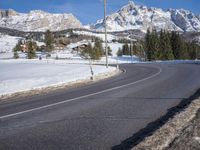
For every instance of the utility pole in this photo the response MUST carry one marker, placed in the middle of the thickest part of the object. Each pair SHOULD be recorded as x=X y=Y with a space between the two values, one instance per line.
x=196 y=54
x=131 y=51
x=105 y=26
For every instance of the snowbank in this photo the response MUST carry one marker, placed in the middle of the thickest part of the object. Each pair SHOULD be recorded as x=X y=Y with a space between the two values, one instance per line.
x=20 y=76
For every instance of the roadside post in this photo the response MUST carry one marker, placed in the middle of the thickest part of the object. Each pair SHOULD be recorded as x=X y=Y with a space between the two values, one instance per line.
x=132 y=51
x=117 y=63
x=91 y=71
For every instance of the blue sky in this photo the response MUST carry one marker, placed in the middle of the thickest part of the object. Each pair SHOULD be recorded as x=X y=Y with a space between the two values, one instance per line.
x=88 y=11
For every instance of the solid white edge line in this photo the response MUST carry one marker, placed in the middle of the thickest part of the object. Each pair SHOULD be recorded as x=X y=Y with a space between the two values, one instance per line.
x=73 y=99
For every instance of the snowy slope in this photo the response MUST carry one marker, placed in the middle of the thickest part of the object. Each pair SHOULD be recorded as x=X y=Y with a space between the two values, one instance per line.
x=134 y=16
x=37 y=20
x=39 y=74
x=114 y=47
x=7 y=43
x=110 y=37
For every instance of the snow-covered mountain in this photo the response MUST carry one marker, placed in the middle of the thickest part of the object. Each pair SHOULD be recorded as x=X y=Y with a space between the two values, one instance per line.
x=129 y=17
x=134 y=16
x=37 y=20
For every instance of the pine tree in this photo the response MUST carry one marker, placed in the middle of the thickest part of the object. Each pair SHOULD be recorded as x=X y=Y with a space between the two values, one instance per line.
x=86 y=52
x=99 y=47
x=119 y=52
x=168 y=46
x=148 y=48
x=152 y=44
x=198 y=52
x=134 y=49
x=49 y=39
x=193 y=48
x=16 y=49
x=169 y=51
x=181 y=49
x=175 y=43
x=97 y=53
x=94 y=53
x=16 y=55
x=125 y=49
x=18 y=46
x=155 y=46
x=138 y=50
x=165 y=46
x=162 y=45
x=31 y=50
x=178 y=46
x=109 y=51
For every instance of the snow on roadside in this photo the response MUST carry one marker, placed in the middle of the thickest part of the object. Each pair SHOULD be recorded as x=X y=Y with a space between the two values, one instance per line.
x=21 y=76
x=164 y=137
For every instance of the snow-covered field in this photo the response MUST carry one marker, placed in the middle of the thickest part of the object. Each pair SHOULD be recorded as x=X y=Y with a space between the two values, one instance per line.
x=25 y=75
x=7 y=43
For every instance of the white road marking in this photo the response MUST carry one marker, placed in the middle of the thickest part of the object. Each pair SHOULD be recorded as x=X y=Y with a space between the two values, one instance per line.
x=81 y=97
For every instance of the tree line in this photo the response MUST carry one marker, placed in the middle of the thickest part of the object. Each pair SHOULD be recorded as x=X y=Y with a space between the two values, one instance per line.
x=90 y=52
x=165 y=45
x=31 y=49
x=95 y=52
x=132 y=48
x=31 y=46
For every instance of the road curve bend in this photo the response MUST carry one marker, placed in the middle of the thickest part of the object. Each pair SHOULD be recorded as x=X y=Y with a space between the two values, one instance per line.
x=102 y=115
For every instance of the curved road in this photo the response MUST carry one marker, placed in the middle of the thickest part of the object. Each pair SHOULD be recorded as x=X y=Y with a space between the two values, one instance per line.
x=101 y=115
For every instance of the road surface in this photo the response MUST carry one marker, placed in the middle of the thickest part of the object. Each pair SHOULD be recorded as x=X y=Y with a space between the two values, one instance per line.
x=111 y=114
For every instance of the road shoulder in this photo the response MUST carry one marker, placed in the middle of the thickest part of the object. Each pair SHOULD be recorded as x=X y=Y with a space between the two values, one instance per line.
x=178 y=133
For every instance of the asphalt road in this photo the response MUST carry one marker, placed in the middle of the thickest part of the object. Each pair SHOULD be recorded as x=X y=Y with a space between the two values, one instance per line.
x=98 y=116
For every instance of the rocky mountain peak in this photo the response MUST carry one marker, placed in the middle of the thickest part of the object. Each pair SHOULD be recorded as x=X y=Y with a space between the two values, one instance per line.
x=132 y=16
x=38 y=20
x=130 y=7
x=7 y=13
x=37 y=12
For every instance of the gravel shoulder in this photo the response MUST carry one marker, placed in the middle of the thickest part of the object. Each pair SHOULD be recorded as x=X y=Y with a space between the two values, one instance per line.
x=180 y=132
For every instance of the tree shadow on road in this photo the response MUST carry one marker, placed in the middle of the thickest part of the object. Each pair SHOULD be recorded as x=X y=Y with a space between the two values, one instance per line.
x=153 y=126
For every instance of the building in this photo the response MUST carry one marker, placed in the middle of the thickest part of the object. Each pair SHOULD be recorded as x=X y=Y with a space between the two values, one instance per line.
x=79 y=47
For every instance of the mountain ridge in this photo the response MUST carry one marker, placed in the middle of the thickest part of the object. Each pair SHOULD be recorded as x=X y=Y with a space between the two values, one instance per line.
x=38 y=20
x=128 y=17
x=132 y=16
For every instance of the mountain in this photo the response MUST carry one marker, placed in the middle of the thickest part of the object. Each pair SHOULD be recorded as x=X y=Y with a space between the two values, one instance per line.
x=37 y=20
x=129 y=17
x=134 y=16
